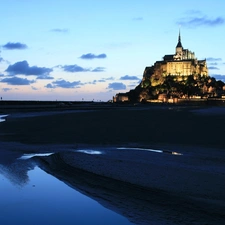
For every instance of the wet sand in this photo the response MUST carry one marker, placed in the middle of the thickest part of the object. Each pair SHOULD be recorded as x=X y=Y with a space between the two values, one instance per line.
x=196 y=177
x=146 y=187
x=176 y=126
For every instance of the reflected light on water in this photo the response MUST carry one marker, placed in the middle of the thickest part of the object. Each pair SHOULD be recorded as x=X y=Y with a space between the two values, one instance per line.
x=47 y=200
x=152 y=150
x=28 y=156
x=176 y=153
x=91 y=152
x=142 y=149
x=2 y=118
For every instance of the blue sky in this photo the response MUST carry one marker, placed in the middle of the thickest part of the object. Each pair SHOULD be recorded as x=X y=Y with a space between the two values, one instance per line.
x=92 y=49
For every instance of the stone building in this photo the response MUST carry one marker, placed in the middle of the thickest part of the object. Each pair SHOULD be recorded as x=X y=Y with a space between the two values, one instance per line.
x=177 y=76
x=182 y=63
x=121 y=97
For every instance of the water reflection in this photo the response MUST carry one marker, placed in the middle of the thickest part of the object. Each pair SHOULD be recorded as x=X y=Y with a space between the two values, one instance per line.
x=91 y=152
x=140 y=205
x=57 y=202
x=133 y=202
x=28 y=156
x=2 y=118
x=152 y=150
x=46 y=200
x=16 y=172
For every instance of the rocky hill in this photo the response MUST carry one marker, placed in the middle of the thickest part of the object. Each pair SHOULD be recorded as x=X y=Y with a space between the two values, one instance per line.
x=177 y=76
x=159 y=87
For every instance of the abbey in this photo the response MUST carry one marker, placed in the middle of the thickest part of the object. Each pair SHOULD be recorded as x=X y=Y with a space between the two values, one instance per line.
x=177 y=77
x=182 y=63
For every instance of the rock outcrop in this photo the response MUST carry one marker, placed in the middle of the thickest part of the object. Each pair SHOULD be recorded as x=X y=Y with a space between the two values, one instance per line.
x=180 y=75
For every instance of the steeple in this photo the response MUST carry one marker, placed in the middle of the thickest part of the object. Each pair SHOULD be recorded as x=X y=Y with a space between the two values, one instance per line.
x=179 y=45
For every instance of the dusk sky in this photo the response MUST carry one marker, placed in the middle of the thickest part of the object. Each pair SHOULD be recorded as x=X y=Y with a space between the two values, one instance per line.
x=92 y=49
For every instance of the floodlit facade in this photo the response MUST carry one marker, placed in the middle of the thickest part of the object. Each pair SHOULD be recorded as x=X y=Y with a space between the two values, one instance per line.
x=182 y=63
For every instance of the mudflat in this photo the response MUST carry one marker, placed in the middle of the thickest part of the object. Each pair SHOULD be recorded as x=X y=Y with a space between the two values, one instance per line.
x=187 y=178
x=112 y=126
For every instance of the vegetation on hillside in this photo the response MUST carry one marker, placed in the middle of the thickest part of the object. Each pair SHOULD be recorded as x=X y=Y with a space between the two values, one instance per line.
x=197 y=86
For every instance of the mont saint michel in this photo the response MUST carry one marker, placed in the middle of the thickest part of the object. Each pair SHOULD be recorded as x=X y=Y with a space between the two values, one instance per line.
x=177 y=77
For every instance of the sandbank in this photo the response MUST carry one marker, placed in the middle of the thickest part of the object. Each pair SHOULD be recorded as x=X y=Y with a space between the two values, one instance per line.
x=195 y=177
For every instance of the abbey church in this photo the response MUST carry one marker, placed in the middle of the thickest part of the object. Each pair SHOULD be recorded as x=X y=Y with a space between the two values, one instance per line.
x=179 y=76
x=182 y=63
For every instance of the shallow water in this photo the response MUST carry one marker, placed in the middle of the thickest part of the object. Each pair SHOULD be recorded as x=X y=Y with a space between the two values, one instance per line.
x=43 y=199
x=2 y=118
x=28 y=156
x=43 y=188
x=151 y=150
x=34 y=190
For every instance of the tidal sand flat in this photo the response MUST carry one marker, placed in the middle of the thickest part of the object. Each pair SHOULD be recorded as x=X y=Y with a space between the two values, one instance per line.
x=183 y=188
x=165 y=125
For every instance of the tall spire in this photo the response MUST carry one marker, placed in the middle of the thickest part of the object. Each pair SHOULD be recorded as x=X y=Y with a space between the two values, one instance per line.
x=179 y=36
x=179 y=45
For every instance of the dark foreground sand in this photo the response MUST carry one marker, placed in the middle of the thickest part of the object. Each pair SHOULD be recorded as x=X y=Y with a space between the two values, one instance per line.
x=146 y=187
x=190 y=184
x=177 y=126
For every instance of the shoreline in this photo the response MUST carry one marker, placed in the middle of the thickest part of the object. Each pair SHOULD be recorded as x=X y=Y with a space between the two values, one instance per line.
x=112 y=180
x=189 y=186
x=195 y=179
x=163 y=128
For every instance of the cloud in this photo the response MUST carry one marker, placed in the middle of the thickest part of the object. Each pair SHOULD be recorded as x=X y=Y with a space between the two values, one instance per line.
x=219 y=77
x=213 y=68
x=138 y=18
x=24 y=68
x=116 y=86
x=17 y=81
x=109 y=78
x=132 y=85
x=193 y=22
x=127 y=77
x=64 y=84
x=50 y=86
x=97 y=81
x=34 y=88
x=45 y=77
x=3 y=60
x=93 y=56
x=213 y=64
x=2 y=75
x=6 y=89
x=59 y=30
x=14 y=45
x=213 y=59
x=98 y=69
x=102 y=80
x=75 y=69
